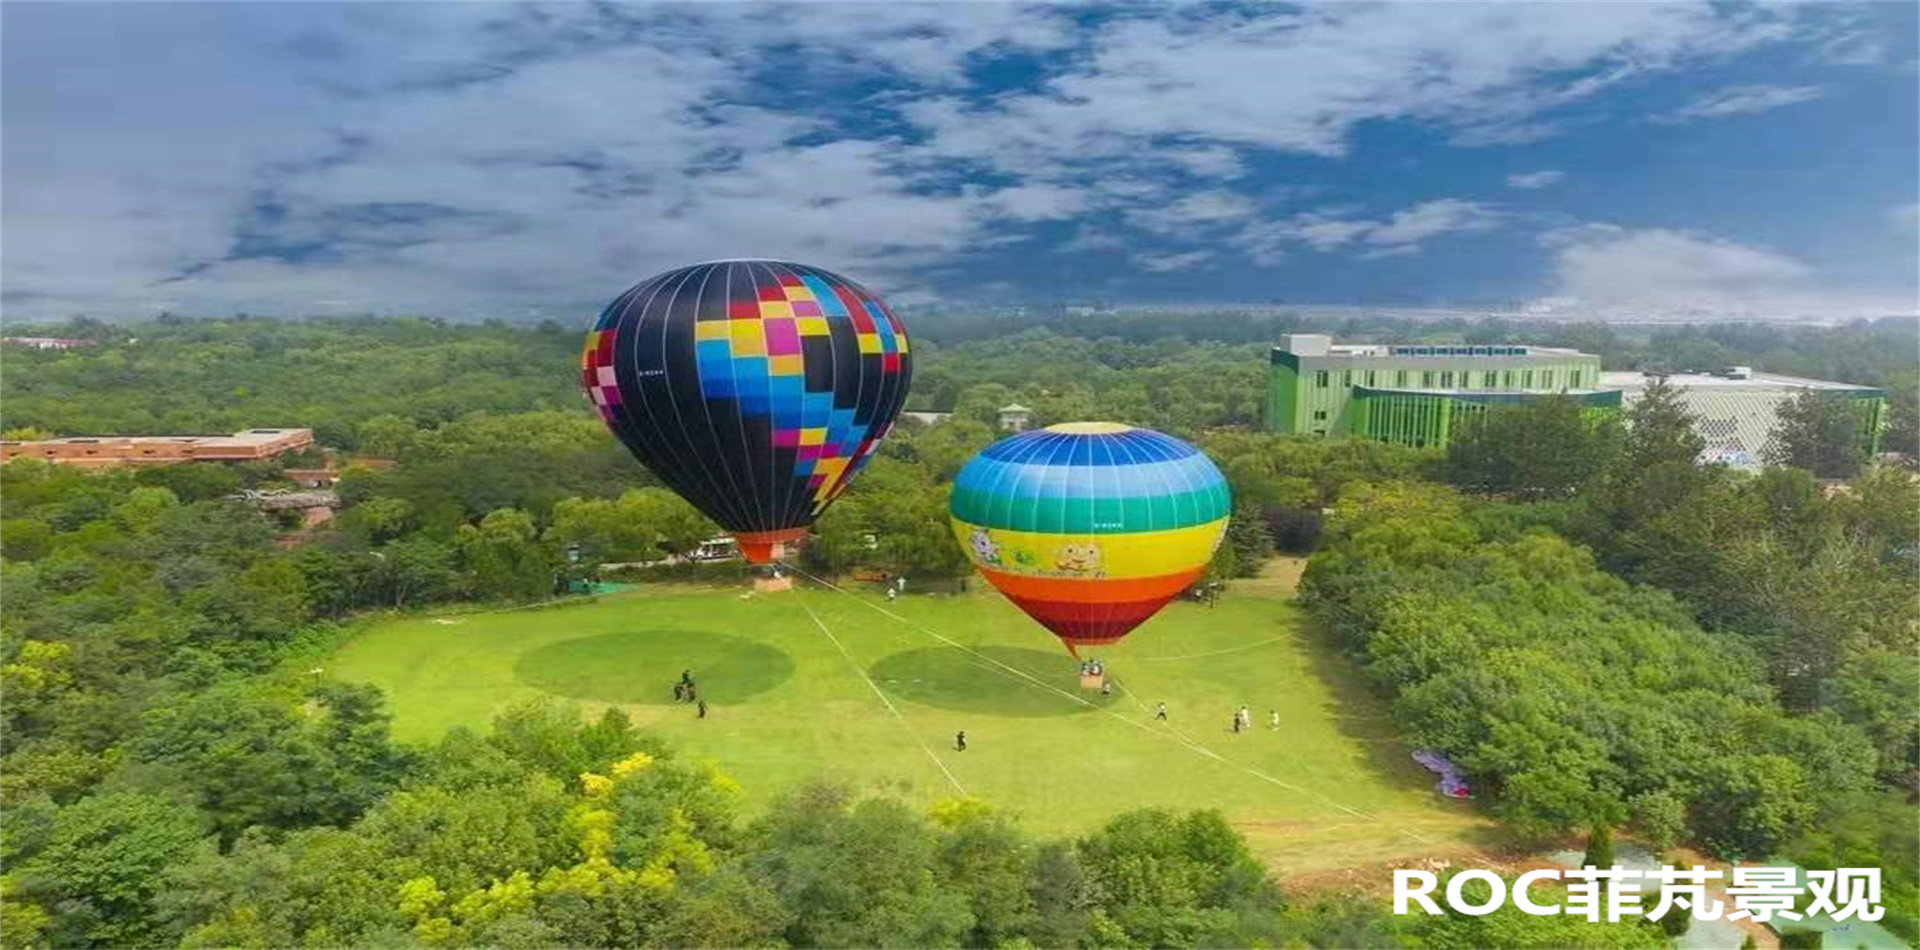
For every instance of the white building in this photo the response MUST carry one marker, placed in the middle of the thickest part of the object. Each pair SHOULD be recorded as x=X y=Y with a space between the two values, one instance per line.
x=1738 y=409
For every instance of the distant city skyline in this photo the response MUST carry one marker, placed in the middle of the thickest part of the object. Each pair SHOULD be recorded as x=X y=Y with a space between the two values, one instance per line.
x=475 y=160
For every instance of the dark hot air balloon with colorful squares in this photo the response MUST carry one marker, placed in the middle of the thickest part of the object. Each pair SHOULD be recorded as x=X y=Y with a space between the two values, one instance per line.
x=1090 y=527
x=755 y=389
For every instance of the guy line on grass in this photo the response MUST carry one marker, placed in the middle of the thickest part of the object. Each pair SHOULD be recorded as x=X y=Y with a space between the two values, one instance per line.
x=904 y=724
x=1176 y=735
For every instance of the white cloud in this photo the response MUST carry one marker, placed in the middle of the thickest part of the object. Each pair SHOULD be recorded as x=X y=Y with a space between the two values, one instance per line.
x=1194 y=211
x=1089 y=238
x=1667 y=268
x=1906 y=216
x=1398 y=234
x=1532 y=181
x=1163 y=263
x=1485 y=69
x=1602 y=271
x=1422 y=221
x=1738 y=100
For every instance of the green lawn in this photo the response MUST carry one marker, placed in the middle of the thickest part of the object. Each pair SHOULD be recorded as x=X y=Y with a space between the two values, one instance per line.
x=1330 y=789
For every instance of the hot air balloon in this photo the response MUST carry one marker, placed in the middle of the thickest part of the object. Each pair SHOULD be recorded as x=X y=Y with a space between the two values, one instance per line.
x=1090 y=527
x=755 y=389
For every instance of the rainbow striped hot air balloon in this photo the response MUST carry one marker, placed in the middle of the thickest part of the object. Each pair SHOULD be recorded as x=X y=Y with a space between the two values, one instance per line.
x=1090 y=527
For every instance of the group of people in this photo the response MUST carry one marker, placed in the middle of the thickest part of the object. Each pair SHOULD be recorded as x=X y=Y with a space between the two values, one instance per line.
x=1092 y=668
x=686 y=692
x=1243 y=719
x=896 y=587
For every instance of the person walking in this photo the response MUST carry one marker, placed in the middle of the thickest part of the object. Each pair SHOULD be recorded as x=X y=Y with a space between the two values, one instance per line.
x=1160 y=711
x=1246 y=718
x=679 y=692
x=1273 y=719
x=960 y=741
x=1106 y=688
x=703 y=709
x=1236 y=724
x=892 y=594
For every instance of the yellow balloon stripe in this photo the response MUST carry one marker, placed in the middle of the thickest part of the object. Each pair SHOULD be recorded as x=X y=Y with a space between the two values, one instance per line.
x=1116 y=556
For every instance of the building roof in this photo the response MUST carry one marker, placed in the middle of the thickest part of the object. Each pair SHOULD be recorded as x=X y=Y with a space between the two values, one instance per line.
x=1320 y=344
x=1762 y=381
x=245 y=438
x=1014 y=407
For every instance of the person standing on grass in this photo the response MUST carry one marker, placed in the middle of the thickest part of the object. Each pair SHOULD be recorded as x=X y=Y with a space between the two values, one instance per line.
x=892 y=594
x=1106 y=688
x=960 y=741
x=679 y=692
x=703 y=709
x=1160 y=711
x=1273 y=719
x=1246 y=718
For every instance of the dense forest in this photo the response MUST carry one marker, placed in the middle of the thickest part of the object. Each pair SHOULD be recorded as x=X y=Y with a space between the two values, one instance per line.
x=1606 y=634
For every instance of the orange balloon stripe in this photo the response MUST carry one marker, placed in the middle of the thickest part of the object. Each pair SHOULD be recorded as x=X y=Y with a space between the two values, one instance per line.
x=1105 y=591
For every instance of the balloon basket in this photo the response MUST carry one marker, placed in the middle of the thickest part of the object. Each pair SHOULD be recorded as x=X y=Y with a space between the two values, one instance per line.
x=1093 y=681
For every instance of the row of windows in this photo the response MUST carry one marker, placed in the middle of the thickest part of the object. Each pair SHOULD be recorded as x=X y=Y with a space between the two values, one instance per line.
x=1457 y=350
x=1445 y=379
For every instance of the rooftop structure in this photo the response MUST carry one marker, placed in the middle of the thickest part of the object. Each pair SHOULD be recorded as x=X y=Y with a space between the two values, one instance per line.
x=1414 y=393
x=44 y=342
x=1738 y=408
x=1015 y=417
x=108 y=451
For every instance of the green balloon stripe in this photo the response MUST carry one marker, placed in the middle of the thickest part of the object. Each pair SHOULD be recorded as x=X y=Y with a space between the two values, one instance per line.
x=1092 y=515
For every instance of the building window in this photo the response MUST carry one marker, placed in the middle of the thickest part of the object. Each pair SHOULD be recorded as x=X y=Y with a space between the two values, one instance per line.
x=1370 y=374
x=1400 y=377
x=1546 y=379
x=1319 y=415
x=1446 y=379
x=1526 y=379
x=1490 y=379
x=1426 y=379
x=1320 y=379
x=1508 y=376
x=1573 y=379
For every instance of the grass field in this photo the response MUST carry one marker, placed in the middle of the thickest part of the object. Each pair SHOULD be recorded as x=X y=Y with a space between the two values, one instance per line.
x=791 y=679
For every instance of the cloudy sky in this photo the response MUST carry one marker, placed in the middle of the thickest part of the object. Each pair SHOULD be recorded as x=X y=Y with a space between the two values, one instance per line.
x=473 y=159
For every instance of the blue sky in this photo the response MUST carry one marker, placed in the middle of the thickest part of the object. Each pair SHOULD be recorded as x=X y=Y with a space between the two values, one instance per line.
x=475 y=160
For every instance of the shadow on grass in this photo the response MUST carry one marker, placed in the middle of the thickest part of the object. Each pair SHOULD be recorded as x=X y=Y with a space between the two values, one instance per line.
x=641 y=666
x=954 y=679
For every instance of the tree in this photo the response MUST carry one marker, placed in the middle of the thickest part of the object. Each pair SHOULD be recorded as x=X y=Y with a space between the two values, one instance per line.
x=505 y=558
x=1540 y=449
x=1599 y=847
x=1818 y=432
x=106 y=856
x=1251 y=541
x=991 y=862
x=1177 y=880
x=855 y=875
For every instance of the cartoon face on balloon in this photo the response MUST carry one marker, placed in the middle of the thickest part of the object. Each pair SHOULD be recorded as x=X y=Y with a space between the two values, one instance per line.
x=984 y=549
x=1078 y=558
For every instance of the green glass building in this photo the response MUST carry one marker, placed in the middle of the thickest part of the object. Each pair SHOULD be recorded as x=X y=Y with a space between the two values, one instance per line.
x=1415 y=394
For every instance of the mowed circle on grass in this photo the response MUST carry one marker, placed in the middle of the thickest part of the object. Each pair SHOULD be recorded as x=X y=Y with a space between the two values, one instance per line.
x=979 y=680
x=641 y=666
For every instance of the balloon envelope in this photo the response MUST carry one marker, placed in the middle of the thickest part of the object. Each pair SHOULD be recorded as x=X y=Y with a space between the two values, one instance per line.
x=1090 y=527
x=755 y=389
